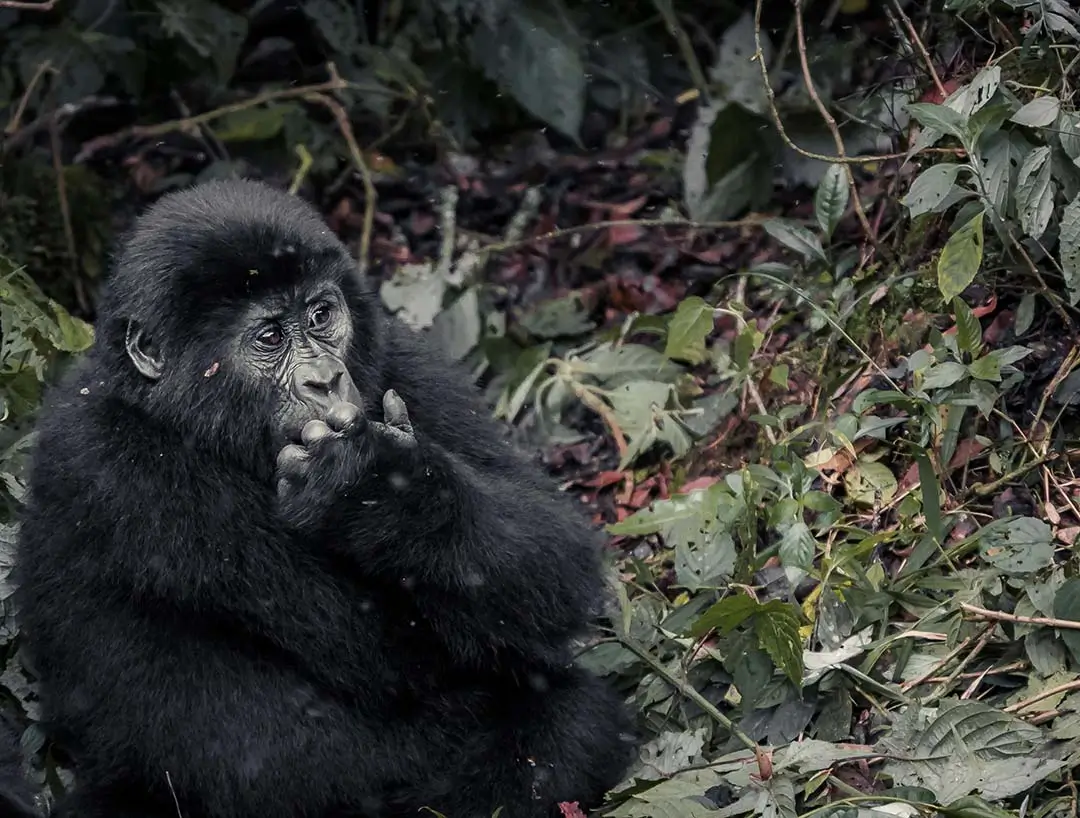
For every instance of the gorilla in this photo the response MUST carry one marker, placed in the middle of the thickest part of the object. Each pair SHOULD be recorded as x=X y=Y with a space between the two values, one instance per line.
x=278 y=561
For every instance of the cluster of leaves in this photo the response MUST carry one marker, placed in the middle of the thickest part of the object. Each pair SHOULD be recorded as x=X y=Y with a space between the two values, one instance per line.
x=1020 y=173
x=36 y=335
x=453 y=63
x=898 y=635
x=844 y=599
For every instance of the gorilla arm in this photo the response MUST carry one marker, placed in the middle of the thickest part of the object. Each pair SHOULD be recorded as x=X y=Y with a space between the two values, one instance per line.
x=497 y=561
x=225 y=733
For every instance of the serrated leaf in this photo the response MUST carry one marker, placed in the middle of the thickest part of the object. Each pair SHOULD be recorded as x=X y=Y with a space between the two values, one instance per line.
x=968 y=328
x=1035 y=192
x=961 y=258
x=831 y=199
x=939 y=117
x=691 y=324
x=1069 y=248
x=534 y=57
x=725 y=615
x=795 y=236
x=1039 y=112
x=930 y=188
x=777 y=629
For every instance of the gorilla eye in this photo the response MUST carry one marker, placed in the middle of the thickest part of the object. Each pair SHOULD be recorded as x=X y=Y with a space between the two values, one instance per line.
x=271 y=338
x=320 y=316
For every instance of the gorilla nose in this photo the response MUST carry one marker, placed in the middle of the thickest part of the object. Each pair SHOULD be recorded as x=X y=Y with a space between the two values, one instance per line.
x=320 y=381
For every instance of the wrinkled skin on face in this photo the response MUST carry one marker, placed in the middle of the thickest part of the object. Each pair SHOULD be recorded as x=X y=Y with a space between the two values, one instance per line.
x=295 y=344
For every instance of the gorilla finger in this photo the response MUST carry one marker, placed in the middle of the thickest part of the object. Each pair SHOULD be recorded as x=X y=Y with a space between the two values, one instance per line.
x=395 y=412
x=291 y=460
x=398 y=438
x=344 y=415
x=314 y=431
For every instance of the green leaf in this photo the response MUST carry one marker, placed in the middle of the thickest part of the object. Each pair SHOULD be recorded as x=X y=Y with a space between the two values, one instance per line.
x=931 y=497
x=982 y=88
x=930 y=188
x=563 y=317
x=726 y=615
x=252 y=124
x=987 y=368
x=691 y=324
x=212 y=31
x=704 y=561
x=939 y=117
x=1069 y=248
x=1067 y=606
x=615 y=365
x=797 y=546
x=870 y=483
x=527 y=369
x=728 y=164
x=662 y=513
x=1035 y=192
x=1002 y=153
x=1025 y=311
x=961 y=257
x=1017 y=545
x=777 y=629
x=943 y=375
x=1039 y=112
x=831 y=199
x=336 y=23
x=534 y=57
x=795 y=236
x=968 y=328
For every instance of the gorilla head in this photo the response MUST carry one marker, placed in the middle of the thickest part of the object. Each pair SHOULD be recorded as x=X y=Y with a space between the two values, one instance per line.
x=241 y=299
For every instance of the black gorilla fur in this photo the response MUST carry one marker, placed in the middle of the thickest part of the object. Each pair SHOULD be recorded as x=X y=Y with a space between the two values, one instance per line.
x=409 y=648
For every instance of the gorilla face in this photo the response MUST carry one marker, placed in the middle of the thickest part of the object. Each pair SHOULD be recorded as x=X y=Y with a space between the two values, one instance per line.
x=291 y=344
x=299 y=343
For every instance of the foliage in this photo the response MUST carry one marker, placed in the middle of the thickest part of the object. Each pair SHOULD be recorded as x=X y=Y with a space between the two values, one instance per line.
x=838 y=480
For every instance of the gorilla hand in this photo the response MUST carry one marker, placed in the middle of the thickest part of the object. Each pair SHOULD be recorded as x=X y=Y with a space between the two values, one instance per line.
x=339 y=453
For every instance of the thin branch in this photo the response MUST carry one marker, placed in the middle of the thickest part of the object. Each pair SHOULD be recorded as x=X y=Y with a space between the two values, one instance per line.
x=24 y=100
x=830 y=123
x=335 y=83
x=371 y=195
x=782 y=131
x=1001 y=616
x=921 y=48
x=20 y=5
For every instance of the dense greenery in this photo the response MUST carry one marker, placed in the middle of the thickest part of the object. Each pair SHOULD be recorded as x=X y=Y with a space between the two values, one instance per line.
x=807 y=347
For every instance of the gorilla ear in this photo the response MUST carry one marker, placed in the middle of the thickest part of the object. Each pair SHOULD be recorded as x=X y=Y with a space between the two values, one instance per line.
x=143 y=352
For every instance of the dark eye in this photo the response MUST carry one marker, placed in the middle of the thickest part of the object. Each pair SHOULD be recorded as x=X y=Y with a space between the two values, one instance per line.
x=271 y=338
x=320 y=316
